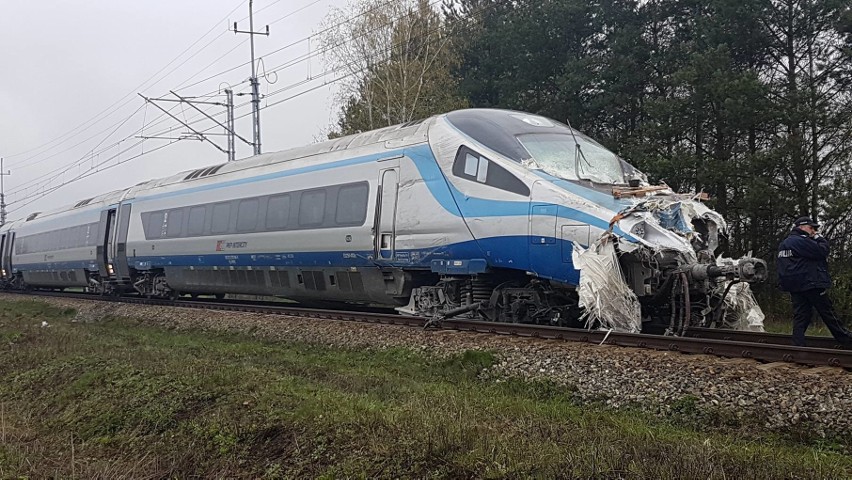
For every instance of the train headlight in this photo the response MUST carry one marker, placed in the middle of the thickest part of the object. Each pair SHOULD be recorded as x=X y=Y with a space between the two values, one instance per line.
x=3 y=272
x=110 y=269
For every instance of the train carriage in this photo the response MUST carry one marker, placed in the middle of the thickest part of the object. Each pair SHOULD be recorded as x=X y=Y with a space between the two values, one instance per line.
x=475 y=212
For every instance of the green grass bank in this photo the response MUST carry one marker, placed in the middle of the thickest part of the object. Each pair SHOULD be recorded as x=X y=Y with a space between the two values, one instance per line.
x=116 y=399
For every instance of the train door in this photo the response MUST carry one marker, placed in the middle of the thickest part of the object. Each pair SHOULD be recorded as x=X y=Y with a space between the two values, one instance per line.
x=7 y=259
x=120 y=257
x=106 y=229
x=542 y=233
x=386 y=203
x=3 y=256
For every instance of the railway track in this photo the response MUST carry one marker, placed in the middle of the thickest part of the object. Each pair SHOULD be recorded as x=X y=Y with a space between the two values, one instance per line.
x=764 y=347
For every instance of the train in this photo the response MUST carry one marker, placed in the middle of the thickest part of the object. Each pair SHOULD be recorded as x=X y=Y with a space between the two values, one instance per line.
x=480 y=213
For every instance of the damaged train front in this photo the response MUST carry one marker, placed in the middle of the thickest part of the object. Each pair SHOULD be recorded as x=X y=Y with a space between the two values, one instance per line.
x=657 y=269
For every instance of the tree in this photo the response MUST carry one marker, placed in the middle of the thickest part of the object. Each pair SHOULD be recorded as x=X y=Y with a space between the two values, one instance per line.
x=396 y=59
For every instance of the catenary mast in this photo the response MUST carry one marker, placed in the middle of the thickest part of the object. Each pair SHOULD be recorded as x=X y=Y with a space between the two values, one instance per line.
x=255 y=85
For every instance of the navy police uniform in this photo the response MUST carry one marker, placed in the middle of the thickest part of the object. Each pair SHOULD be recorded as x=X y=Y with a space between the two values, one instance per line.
x=803 y=271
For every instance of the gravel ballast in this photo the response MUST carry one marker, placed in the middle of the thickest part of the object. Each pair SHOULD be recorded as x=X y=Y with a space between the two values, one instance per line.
x=777 y=397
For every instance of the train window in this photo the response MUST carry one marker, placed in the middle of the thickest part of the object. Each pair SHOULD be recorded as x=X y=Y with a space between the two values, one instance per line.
x=174 y=222
x=472 y=166
x=221 y=218
x=247 y=215
x=155 y=224
x=91 y=234
x=79 y=236
x=277 y=212
x=195 y=225
x=352 y=204
x=311 y=208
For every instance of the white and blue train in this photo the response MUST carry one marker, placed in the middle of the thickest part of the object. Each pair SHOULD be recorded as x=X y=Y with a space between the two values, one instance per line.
x=475 y=211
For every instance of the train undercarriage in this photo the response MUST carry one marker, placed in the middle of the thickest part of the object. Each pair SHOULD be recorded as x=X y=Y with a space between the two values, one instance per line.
x=677 y=298
x=673 y=294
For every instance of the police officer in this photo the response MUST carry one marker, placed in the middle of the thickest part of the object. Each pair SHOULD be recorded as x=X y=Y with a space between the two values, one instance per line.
x=803 y=271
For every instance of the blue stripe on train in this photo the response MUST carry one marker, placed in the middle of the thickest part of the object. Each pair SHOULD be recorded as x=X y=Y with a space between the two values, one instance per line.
x=549 y=260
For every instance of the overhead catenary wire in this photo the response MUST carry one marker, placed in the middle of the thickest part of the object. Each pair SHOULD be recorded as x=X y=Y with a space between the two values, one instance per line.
x=50 y=175
x=91 y=172
x=295 y=42
x=161 y=117
x=325 y=83
x=128 y=97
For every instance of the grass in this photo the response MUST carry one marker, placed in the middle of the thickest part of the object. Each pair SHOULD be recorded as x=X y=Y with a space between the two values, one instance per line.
x=118 y=399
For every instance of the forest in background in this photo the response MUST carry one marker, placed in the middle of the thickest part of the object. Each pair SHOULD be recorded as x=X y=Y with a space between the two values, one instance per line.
x=749 y=101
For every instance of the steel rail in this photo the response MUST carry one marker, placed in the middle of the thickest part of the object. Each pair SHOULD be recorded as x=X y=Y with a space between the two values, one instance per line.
x=722 y=343
x=749 y=336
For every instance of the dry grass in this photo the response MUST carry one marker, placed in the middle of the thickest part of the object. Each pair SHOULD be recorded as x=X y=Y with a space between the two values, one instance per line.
x=118 y=400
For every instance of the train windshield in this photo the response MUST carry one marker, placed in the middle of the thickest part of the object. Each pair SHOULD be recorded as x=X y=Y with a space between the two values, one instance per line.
x=572 y=157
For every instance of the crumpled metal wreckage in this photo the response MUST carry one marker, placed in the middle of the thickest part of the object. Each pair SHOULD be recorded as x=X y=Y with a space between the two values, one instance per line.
x=706 y=290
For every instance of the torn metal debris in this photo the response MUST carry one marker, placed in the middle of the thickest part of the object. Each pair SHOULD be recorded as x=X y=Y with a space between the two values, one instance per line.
x=665 y=269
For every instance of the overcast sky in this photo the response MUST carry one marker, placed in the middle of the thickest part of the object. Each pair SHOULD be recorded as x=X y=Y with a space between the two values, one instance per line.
x=70 y=73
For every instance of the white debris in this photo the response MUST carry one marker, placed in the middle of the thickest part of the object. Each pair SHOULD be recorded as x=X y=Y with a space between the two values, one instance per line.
x=741 y=309
x=44 y=324
x=607 y=300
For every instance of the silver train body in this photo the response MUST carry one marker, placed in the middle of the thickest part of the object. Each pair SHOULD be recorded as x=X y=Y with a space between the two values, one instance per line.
x=475 y=212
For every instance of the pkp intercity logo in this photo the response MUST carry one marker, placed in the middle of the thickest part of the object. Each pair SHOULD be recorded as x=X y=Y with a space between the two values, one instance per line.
x=223 y=245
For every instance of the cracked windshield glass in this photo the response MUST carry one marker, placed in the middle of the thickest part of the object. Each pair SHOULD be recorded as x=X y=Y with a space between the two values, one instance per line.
x=561 y=156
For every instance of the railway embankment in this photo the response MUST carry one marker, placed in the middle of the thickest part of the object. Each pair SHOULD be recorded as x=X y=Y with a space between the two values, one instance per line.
x=108 y=390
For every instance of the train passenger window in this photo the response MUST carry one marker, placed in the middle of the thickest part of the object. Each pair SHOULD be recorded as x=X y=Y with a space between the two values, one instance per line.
x=472 y=166
x=311 y=208
x=155 y=224
x=247 y=215
x=195 y=225
x=174 y=222
x=221 y=218
x=80 y=236
x=352 y=204
x=91 y=233
x=277 y=212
